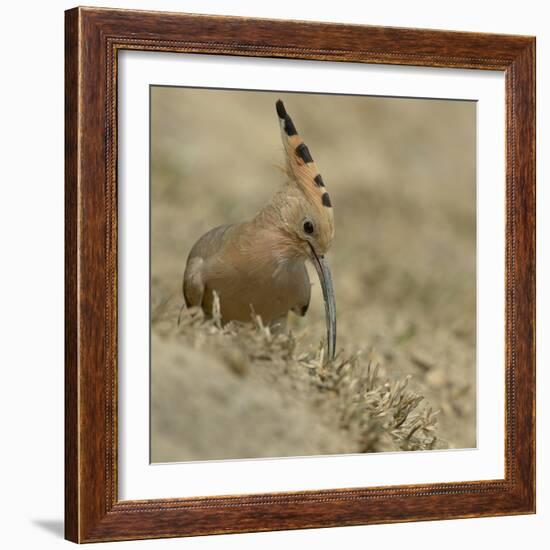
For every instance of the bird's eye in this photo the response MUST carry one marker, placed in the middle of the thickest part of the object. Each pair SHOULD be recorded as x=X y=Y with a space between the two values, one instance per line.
x=308 y=227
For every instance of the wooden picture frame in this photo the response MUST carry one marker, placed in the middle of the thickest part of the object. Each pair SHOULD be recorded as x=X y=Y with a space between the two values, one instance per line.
x=93 y=39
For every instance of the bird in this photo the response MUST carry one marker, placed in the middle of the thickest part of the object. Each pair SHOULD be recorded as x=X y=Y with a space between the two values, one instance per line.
x=258 y=266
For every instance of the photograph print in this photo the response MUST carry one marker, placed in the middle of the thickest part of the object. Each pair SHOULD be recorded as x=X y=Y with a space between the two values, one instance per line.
x=313 y=274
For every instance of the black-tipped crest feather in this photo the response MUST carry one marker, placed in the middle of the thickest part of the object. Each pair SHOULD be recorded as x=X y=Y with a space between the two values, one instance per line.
x=289 y=127
x=319 y=180
x=280 y=106
x=303 y=152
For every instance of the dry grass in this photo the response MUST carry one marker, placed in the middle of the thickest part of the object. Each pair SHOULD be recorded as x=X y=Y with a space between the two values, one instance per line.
x=350 y=393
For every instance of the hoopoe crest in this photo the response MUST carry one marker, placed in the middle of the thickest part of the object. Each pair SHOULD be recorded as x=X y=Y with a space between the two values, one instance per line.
x=258 y=266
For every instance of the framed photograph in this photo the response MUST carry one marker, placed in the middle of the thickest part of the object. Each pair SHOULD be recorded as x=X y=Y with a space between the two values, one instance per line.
x=300 y=275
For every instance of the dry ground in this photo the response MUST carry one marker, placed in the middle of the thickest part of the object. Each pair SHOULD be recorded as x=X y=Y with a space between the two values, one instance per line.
x=401 y=175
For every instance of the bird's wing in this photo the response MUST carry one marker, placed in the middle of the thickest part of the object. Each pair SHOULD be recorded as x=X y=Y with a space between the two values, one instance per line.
x=203 y=250
x=193 y=284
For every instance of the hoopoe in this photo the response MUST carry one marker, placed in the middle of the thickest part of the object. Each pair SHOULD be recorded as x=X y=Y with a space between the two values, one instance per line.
x=258 y=266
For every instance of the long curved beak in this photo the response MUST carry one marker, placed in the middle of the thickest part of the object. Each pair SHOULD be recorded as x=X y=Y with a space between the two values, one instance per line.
x=325 y=278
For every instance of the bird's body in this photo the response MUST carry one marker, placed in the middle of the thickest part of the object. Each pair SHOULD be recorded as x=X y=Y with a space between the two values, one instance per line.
x=258 y=266
x=232 y=260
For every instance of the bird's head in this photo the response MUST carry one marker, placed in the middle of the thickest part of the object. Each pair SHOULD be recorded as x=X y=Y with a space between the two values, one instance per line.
x=307 y=223
x=306 y=213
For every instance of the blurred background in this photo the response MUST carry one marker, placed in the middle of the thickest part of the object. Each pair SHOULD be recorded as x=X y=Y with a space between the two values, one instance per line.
x=402 y=178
